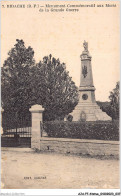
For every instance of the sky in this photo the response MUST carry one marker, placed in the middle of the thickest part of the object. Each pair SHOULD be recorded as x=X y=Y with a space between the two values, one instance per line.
x=62 y=34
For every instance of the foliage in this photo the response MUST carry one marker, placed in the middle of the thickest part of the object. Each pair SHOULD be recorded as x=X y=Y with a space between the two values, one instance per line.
x=15 y=89
x=58 y=92
x=69 y=118
x=114 y=101
x=105 y=107
x=25 y=83
x=112 y=107
x=100 y=130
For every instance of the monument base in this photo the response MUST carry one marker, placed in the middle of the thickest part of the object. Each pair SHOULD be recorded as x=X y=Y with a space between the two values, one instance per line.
x=89 y=112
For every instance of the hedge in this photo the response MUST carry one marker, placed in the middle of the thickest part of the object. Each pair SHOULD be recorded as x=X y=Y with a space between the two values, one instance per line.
x=100 y=130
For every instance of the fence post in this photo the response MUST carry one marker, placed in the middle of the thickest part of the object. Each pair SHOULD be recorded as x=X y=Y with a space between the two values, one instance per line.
x=37 y=117
x=2 y=110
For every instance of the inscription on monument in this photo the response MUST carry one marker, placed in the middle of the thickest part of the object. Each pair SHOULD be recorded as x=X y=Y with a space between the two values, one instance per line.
x=84 y=71
x=83 y=116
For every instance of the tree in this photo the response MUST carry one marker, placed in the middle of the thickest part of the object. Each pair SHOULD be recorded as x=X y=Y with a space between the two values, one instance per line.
x=58 y=93
x=25 y=83
x=112 y=107
x=15 y=81
x=105 y=107
x=114 y=101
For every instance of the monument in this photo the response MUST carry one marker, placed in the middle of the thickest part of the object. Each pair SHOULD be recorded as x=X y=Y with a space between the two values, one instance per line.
x=87 y=108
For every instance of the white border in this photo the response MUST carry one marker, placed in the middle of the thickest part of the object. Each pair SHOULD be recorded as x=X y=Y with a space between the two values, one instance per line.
x=55 y=191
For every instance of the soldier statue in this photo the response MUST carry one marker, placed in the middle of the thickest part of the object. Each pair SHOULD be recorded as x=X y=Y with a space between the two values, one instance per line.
x=85 y=44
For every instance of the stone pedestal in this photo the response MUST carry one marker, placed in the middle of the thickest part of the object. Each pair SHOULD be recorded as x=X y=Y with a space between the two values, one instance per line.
x=2 y=110
x=37 y=119
x=87 y=108
x=89 y=112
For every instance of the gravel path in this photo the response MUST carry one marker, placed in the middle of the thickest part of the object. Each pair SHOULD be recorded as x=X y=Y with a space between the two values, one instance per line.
x=24 y=169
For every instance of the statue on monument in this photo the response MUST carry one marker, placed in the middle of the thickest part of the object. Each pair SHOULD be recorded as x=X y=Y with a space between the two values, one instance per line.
x=85 y=44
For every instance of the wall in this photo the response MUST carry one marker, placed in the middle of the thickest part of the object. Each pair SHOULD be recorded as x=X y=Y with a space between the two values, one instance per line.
x=21 y=142
x=79 y=146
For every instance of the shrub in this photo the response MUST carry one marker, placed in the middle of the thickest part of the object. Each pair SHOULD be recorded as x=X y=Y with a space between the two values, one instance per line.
x=100 y=130
x=69 y=118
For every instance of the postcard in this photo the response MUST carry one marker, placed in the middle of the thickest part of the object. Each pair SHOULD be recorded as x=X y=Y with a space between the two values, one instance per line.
x=60 y=97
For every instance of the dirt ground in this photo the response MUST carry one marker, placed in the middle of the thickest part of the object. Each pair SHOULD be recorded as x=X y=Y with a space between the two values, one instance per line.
x=25 y=169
